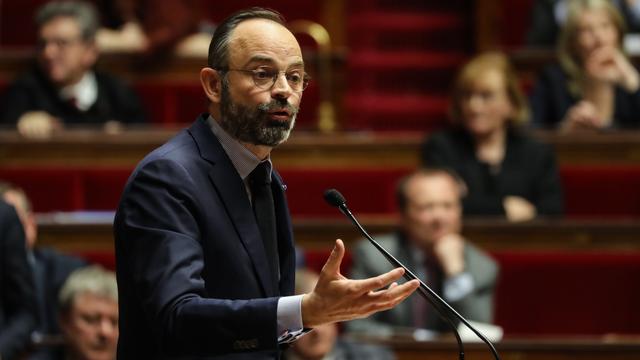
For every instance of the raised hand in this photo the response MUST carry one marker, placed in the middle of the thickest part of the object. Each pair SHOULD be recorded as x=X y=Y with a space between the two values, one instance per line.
x=449 y=250
x=336 y=298
x=609 y=65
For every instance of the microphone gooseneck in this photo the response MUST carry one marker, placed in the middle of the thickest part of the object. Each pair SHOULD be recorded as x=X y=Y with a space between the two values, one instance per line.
x=335 y=198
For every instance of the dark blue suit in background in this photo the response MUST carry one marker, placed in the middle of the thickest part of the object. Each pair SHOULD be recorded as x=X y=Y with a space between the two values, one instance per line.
x=17 y=308
x=192 y=271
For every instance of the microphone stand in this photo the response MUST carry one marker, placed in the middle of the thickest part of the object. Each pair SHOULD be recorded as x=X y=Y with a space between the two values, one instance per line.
x=424 y=290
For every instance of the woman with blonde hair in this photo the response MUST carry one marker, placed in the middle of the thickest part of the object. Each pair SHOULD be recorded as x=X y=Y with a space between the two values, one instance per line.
x=506 y=172
x=593 y=86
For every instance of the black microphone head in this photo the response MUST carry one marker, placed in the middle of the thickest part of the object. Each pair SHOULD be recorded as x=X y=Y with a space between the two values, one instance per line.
x=334 y=198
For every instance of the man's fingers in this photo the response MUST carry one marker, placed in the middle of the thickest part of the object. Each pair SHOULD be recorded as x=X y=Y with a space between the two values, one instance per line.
x=378 y=282
x=332 y=266
x=386 y=299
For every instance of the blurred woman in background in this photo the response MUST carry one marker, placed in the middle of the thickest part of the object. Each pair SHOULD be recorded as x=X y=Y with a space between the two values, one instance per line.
x=594 y=86
x=506 y=172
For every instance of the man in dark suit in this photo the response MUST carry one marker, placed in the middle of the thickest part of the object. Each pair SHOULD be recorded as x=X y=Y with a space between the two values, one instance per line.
x=49 y=267
x=63 y=88
x=16 y=287
x=429 y=241
x=204 y=246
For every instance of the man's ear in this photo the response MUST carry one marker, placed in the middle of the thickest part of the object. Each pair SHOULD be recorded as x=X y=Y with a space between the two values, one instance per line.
x=211 y=81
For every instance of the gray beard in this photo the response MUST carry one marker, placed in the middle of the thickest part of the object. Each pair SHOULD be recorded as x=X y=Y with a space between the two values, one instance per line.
x=253 y=125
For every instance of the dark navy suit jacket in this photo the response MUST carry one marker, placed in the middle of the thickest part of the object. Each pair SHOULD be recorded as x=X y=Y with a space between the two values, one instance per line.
x=192 y=272
x=16 y=286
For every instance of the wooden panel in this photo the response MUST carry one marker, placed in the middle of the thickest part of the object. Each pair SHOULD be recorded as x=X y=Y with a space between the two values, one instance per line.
x=304 y=149
x=519 y=349
x=69 y=233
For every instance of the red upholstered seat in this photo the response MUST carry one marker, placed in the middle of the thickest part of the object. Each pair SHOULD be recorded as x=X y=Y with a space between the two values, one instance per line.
x=16 y=23
x=50 y=189
x=103 y=187
x=369 y=191
x=69 y=188
x=104 y=258
x=568 y=293
x=597 y=190
x=590 y=191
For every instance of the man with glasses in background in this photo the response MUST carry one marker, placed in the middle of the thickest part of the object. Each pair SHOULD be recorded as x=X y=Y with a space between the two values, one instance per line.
x=205 y=258
x=63 y=88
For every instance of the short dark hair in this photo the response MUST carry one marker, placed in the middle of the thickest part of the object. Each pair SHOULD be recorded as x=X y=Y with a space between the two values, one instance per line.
x=219 y=46
x=401 y=188
x=83 y=13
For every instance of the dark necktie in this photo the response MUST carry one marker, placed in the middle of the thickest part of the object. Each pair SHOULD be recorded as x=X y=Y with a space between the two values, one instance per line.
x=73 y=102
x=263 y=208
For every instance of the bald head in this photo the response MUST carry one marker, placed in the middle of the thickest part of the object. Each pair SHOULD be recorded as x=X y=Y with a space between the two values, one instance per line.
x=220 y=43
x=251 y=36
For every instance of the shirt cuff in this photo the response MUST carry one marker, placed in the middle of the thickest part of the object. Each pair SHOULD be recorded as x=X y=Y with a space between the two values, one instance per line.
x=457 y=287
x=289 y=315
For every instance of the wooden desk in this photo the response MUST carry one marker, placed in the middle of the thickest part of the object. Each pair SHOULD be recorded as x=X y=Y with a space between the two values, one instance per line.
x=95 y=148
x=492 y=234
x=520 y=349
x=69 y=234
x=304 y=149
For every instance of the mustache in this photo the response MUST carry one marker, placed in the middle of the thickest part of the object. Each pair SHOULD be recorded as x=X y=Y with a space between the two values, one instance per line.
x=278 y=104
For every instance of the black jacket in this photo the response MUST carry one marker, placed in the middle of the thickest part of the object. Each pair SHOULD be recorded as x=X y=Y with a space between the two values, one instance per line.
x=528 y=170
x=34 y=92
x=16 y=287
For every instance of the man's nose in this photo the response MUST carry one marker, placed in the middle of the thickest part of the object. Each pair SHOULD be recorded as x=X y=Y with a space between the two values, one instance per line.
x=281 y=87
x=107 y=328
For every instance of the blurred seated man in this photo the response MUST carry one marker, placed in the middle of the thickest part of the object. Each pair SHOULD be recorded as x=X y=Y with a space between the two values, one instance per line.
x=89 y=315
x=16 y=287
x=429 y=243
x=324 y=343
x=63 y=88
x=50 y=269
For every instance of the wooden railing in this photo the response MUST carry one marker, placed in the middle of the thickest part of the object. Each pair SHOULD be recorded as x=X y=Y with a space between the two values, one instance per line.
x=604 y=348
x=70 y=234
x=304 y=149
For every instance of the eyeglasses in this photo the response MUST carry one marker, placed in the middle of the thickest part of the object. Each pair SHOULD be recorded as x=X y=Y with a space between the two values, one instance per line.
x=61 y=43
x=265 y=78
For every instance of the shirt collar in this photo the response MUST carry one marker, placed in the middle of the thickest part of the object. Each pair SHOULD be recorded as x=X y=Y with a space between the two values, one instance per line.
x=85 y=91
x=244 y=161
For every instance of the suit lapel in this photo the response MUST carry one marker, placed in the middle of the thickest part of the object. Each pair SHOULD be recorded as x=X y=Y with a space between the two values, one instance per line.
x=230 y=189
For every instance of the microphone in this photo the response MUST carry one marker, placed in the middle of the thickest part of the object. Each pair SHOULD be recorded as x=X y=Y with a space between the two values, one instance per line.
x=335 y=198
